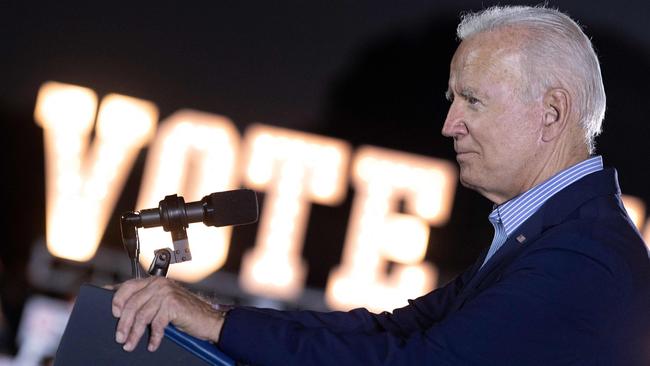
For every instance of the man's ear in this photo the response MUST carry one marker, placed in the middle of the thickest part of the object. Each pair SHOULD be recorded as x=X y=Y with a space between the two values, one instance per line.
x=557 y=107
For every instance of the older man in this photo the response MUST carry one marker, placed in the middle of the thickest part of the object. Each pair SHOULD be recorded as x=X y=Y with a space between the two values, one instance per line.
x=566 y=279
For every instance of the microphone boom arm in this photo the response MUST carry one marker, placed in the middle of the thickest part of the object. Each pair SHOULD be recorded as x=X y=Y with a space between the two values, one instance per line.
x=129 y=223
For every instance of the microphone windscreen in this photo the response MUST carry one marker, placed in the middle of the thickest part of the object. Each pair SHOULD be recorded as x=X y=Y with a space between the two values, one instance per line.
x=227 y=208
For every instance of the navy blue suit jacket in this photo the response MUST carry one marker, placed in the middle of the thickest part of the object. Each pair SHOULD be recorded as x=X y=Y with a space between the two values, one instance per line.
x=575 y=292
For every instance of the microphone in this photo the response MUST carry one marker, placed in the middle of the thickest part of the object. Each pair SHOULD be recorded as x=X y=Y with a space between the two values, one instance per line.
x=229 y=208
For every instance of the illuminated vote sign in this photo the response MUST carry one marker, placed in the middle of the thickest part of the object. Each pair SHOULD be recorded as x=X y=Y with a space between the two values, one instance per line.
x=194 y=153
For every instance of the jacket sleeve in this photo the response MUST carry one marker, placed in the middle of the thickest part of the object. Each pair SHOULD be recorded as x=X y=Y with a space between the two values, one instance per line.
x=525 y=318
x=419 y=314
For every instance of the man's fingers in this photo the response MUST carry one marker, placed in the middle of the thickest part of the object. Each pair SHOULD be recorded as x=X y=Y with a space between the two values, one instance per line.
x=143 y=317
x=158 y=325
x=124 y=292
x=139 y=305
x=159 y=301
x=127 y=316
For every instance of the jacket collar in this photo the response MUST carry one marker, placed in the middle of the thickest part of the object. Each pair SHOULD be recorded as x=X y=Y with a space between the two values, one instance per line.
x=555 y=211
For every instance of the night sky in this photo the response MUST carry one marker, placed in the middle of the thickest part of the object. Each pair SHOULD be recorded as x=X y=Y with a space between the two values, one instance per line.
x=369 y=72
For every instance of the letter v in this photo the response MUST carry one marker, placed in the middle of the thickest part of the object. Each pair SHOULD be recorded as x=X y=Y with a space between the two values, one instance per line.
x=84 y=179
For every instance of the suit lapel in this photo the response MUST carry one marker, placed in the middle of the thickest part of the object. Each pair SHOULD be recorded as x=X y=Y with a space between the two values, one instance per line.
x=553 y=212
x=492 y=270
x=523 y=236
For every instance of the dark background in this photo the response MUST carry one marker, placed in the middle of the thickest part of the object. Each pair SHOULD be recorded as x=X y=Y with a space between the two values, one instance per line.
x=370 y=72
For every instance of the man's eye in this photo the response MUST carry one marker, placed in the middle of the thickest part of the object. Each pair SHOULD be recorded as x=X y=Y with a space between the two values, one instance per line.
x=473 y=101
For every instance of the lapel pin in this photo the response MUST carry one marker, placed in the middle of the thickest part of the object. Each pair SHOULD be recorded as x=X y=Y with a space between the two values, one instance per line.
x=521 y=239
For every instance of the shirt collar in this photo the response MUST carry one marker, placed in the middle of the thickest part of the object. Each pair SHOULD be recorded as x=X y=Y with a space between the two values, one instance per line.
x=512 y=213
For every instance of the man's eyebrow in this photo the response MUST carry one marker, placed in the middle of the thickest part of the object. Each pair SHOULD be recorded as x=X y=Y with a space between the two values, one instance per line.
x=467 y=92
x=464 y=92
x=449 y=95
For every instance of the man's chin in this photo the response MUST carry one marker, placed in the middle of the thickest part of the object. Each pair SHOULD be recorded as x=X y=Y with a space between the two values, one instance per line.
x=467 y=182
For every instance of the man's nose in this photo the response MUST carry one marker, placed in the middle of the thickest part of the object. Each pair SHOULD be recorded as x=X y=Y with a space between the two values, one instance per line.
x=454 y=123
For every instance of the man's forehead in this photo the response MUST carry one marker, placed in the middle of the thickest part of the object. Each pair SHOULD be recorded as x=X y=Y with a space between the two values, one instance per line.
x=490 y=47
x=493 y=54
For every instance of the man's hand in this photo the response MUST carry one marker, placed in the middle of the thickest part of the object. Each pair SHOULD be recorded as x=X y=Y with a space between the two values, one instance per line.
x=159 y=301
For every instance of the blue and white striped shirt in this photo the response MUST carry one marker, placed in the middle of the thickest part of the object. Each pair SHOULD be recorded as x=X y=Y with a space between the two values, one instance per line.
x=508 y=216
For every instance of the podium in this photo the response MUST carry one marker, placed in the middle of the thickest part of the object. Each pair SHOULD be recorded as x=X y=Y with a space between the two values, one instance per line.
x=89 y=339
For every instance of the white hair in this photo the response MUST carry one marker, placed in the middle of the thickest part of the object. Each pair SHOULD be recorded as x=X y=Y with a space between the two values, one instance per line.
x=557 y=53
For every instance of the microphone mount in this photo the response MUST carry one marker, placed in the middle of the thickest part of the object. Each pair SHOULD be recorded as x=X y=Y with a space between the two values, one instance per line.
x=174 y=215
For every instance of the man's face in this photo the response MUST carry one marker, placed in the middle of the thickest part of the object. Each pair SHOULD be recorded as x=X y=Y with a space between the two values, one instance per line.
x=496 y=130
